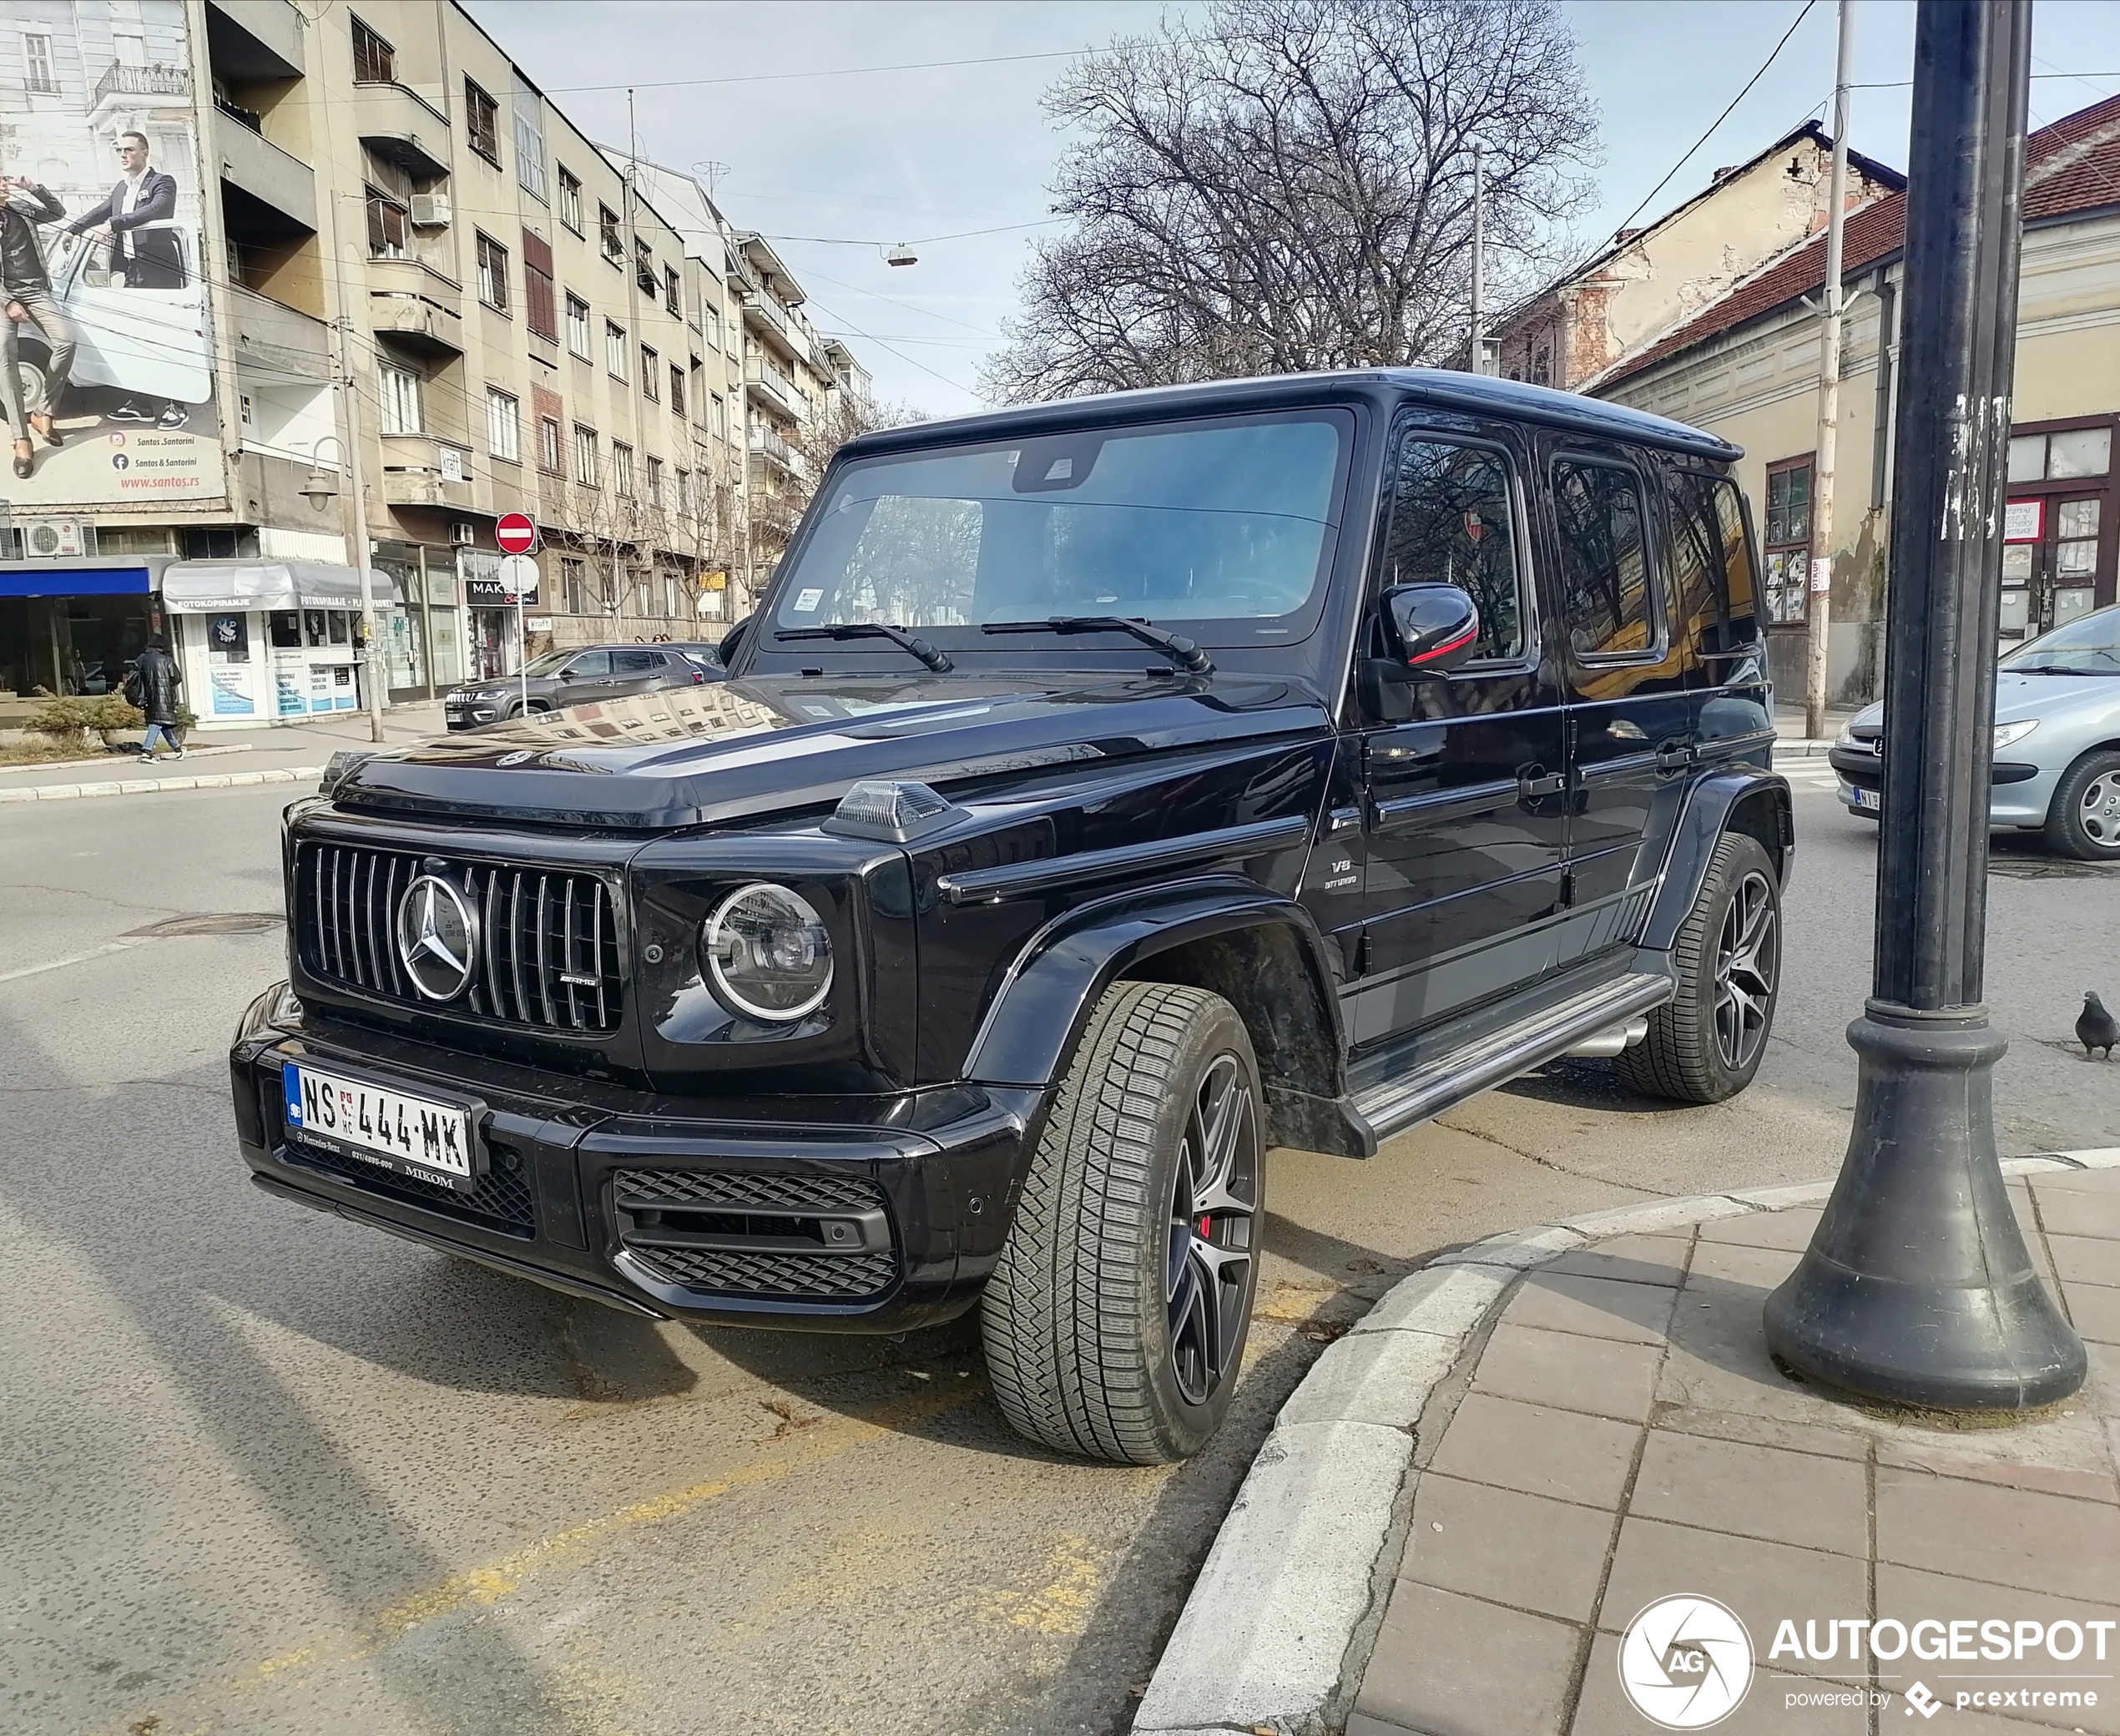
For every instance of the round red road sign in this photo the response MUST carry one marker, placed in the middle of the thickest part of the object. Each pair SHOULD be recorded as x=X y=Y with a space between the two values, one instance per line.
x=517 y=533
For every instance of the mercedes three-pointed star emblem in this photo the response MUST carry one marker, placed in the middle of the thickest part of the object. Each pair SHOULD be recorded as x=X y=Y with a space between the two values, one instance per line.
x=438 y=937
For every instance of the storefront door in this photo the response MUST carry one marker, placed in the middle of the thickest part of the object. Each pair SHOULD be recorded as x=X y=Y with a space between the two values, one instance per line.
x=2051 y=570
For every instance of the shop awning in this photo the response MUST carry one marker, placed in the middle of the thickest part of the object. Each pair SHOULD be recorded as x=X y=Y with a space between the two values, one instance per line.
x=214 y=588
x=75 y=579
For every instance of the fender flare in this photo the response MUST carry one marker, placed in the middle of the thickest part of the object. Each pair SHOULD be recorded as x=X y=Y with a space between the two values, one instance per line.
x=1037 y=1016
x=1737 y=799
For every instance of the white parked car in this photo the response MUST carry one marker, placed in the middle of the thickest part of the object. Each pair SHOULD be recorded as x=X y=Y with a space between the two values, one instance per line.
x=151 y=343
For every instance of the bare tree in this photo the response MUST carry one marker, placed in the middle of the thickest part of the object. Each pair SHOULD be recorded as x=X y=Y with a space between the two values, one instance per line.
x=1281 y=185
x=780 y=494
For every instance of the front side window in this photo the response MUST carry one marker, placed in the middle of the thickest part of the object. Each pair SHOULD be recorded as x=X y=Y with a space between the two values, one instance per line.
x=503 y=426
x=493 y=274
x=1604 y=560
x=1453 y=522
x=577 y=326
x=590 y=663
x=1228 y=521
x=400 y=391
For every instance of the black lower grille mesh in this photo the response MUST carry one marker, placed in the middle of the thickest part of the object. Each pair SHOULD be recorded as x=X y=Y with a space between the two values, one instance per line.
x=501 y=1201
x=790 y=1192
x=815 y=1277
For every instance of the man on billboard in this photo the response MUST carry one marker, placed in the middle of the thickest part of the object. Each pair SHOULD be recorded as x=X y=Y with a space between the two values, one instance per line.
x=26 y=297
x=148 y=258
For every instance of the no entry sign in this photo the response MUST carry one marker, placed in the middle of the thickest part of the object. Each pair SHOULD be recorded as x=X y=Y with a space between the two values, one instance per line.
x=517 y=533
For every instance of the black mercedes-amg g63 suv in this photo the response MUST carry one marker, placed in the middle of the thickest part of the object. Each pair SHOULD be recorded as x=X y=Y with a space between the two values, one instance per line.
x=1102 y=794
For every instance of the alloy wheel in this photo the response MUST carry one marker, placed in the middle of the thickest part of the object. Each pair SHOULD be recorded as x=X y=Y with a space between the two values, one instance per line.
x=2098 y=812
x=1214 y=1196
x=1747 y=958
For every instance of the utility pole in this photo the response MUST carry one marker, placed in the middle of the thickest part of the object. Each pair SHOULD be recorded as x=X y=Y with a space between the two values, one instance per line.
x=1476 y=357
x=357 y=533
x=1917 y=1289
x=1820 y=599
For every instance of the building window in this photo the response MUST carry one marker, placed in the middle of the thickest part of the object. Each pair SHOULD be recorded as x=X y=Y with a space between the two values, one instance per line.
x=622 y=469
x=577 y=326
x=719 y=423
x=570 y=201
x=538 y=302
x=529 y=108
x=399 y=389
x=684 y=491
x=673 y=291
x=375 y=61
x=644 y=267
x=503 y=426
x=710 y=324
x=608 y=235
x=614 y=350
x=481 y=113
x=388 y=236
x=585 y=456
x=493 y=274
x=37 y=71
x=548 y=444
x=2064 y=455
x=1789 y=537
x=655 y=484
x=575 y=585
x=669 y=595
x=651 y=374
x=677 y=390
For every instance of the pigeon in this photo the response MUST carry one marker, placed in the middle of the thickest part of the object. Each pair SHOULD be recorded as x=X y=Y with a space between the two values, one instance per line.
x=2095 y=1028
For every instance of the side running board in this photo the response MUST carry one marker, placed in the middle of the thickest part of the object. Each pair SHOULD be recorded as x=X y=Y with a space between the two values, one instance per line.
x=1393 y=1105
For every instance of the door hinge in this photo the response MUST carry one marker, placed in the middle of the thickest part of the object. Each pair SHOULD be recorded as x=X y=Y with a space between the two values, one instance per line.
x=1361 y=953
x=1567 y=887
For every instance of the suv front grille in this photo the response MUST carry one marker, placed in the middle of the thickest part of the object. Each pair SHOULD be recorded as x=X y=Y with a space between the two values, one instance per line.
x=501 y=1201
x=820 y=1238
x=547 y=945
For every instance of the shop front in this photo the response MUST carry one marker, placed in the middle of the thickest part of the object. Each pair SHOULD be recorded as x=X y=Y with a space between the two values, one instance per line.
x=73 y=626
x=270 y=641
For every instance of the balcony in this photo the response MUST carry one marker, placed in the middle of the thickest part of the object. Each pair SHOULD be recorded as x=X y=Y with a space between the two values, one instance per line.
x=275 y=343
x=249 y=39
x=401 y=126
x=138 y=87
x=420 y=471
x=761 y=379
x=253 y=163
x=767 y=444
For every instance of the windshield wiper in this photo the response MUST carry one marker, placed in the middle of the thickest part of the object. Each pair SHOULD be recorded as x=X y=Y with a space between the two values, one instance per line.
x=2052 y=669
x=1182 y=651
x=936 y=660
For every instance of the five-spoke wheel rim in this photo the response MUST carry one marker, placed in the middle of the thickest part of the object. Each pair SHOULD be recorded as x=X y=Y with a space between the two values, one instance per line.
x=1748 y=956
x=2098 y=813
x=1214 y=1197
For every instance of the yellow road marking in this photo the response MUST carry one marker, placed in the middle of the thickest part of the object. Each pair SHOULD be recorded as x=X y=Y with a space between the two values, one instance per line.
x=489 y=1582
x=1064 y=1606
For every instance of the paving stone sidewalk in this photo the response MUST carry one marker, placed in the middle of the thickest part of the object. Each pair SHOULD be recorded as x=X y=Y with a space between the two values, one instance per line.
x=1620 y=1435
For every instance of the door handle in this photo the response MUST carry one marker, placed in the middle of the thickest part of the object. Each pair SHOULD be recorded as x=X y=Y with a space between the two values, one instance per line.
x=1673 y=755
x=1536 y=781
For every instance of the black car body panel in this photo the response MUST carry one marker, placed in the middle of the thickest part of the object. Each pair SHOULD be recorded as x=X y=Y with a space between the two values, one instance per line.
x=1377 y=871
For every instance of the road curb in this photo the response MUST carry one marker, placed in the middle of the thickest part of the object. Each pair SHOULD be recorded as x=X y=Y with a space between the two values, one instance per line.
x=149 y=786
x=1262 y=1642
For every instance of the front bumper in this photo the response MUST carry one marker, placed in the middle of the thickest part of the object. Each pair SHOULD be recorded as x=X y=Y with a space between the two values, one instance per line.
x=2019 y=794
x=470 y=715
x=715 y=1211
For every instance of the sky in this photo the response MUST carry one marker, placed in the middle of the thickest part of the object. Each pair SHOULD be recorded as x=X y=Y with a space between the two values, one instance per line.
x=814 y=145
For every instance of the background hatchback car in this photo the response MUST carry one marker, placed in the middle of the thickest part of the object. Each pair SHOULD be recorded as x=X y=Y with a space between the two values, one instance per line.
x=571 y=678
x=2056 y=741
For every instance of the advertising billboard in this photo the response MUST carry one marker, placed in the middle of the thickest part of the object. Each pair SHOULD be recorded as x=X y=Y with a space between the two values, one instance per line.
x=106 y=334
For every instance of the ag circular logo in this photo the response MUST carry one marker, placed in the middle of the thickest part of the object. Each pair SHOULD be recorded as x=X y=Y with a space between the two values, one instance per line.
x=1685 y=1663
x=438 y=937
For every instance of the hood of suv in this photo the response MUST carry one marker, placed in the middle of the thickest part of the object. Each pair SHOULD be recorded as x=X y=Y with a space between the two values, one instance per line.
x=683 y=756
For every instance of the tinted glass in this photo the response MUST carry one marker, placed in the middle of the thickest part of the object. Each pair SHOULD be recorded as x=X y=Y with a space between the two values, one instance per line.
x=1452 y=523
x=1604 y=565
x=1197 y=522
x=549 y=664
x=1712 y=560
x=590 y=662
x=634 y=663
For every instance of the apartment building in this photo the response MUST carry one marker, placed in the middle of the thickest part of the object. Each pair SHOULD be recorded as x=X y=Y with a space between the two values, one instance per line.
x=376 y=193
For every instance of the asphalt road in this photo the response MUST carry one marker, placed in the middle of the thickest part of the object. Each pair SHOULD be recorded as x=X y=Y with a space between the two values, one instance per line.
x=268 y=1473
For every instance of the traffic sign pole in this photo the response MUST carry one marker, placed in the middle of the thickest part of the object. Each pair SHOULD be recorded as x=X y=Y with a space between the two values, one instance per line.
x=517 y=533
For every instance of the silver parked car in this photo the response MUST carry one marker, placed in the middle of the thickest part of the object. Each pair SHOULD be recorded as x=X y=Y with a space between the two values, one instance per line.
x=2056 y=741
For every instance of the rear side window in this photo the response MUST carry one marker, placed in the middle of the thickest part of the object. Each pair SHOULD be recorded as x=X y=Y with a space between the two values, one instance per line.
x=1453 y=523
x=1604 y=560
x=590 y=662
x=1711 y=557
x=633 y=662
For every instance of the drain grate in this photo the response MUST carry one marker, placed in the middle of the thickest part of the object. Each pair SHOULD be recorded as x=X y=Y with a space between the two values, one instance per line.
x=223 y=923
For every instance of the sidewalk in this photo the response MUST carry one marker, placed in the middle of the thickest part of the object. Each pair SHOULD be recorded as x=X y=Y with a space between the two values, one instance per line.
x=295 y=753
x=1595 y=1426
x=1789 y=739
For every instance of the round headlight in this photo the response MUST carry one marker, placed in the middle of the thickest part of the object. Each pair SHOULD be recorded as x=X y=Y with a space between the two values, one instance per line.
x=768 y=953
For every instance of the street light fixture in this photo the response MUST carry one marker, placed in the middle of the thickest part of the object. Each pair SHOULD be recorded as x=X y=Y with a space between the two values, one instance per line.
x=1917 y=1288
x=322 y=487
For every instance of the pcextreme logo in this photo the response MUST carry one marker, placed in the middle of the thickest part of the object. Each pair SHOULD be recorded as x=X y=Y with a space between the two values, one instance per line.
x=1685 y=1663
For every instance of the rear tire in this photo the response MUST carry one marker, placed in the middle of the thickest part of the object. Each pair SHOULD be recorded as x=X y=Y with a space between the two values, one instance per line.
x=1705 y=1042
x=1115 y=1329
x=2083 y=819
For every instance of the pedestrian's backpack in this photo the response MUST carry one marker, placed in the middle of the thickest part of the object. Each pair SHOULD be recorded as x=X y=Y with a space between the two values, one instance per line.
x=135 y=689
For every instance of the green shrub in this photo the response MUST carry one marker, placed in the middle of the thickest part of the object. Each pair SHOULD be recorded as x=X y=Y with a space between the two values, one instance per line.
x=83 y=718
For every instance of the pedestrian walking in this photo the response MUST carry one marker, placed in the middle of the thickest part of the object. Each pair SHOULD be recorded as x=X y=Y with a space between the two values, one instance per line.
x=152 y=687
x=25 y=298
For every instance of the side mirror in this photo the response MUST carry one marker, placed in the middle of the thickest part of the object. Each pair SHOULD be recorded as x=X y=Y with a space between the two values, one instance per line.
x=1428 y=629
x=566 y=674
x=732 y=640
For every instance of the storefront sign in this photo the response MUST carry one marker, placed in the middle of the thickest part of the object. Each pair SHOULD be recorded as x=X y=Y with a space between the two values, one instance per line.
x=228 y=638
x=494 y=593
x=2023 y=521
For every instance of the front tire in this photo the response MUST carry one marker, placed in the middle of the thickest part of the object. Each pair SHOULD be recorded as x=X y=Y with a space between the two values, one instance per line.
x=1706 y=1042
x=2083 y=819
x=1115 y=1323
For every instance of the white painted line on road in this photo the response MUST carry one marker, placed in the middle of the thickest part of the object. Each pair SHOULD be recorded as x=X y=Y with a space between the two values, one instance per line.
x=60 y=964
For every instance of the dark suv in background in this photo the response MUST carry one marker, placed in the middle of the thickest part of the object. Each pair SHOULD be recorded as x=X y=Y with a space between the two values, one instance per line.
x=574 y=677
x=1104 y=794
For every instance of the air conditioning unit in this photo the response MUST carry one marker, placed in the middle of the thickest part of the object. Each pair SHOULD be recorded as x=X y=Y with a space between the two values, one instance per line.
x=46 y=538
x=431 y=210
x=463 y=532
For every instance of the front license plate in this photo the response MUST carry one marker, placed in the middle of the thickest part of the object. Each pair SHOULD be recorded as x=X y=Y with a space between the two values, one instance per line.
x=1870 y=800
x=407 y=1134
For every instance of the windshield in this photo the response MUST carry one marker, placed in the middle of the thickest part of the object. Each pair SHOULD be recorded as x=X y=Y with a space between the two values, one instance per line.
x=549 y=664
x=2088 y=645
x=1228 y=522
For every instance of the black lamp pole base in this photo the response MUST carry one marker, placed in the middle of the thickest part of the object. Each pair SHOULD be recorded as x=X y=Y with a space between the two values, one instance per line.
x=1917 y=1289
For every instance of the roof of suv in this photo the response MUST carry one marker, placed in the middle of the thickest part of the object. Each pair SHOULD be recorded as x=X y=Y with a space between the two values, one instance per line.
x=1475 y=394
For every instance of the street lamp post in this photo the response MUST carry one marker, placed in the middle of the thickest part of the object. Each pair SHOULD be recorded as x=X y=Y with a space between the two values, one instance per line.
x=1917 y=1288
